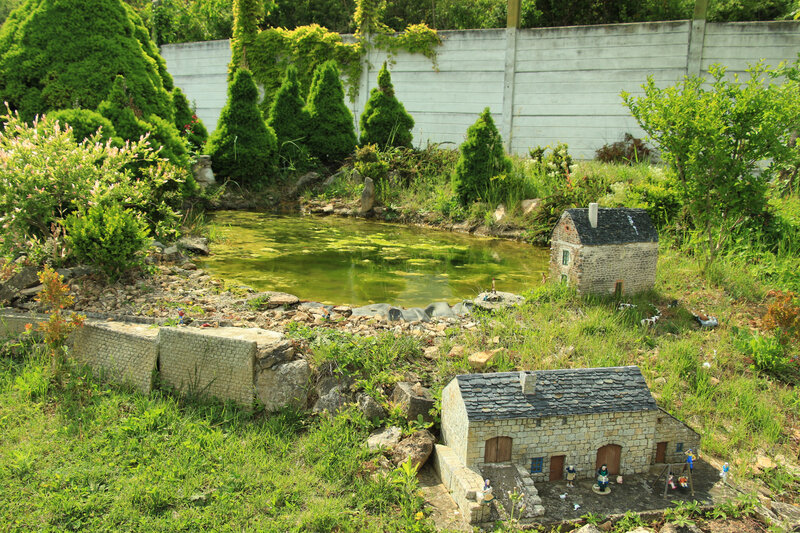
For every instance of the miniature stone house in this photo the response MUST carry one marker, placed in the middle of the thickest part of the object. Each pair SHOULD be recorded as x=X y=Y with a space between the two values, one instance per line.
x=545 y=420
x=605 y=251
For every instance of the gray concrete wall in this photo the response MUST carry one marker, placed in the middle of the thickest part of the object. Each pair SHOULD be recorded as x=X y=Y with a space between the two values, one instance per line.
x=542 y=85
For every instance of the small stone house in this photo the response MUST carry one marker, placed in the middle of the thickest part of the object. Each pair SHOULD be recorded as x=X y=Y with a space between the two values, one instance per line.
x=545 y=420
x=605 y=251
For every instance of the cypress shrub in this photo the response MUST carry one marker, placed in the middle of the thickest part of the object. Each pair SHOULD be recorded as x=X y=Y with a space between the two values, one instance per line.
x=190 y=127
x=289 y=119
x=482 y=157
x=385 y=121
x=242 y=147
x=84 y=123
x=62 y=54
x=331 y=135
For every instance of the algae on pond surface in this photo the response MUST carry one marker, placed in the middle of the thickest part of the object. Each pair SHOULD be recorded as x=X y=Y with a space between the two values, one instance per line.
x=357 y=262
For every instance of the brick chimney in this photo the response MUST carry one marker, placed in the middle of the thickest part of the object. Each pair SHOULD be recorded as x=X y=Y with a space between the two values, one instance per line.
x=593 y=214
x=528 y=382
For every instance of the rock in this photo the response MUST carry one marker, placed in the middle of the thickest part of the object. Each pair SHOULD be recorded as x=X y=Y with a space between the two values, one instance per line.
x=499 y=213
x=333 y=177
x=381 y=310
x=25 y=278
x=456 y=351
x=431 y=352
x=764 y=462
x=463 y=227
x=588 y=528
x=356 y=177
x=367 y=196
x=463 y=308
x=479 y=360
x=528 y=206
x=482 y=231
x=416 y=448
x=641 y=529
x=195 y=245
x=370 y=408
x=33 y=291
x=497 y=300
x=189 y=266
x=414 y=400
x=409 y=315
x=284 y=385
x=273 y=354
x=330 y=402
x=203 y=174
x=302 y=182
x=788 y=513
x=171 y=253
x=343 y=310
x=273 y=299
x=669 y=527
x=605 y=526
x=439 y=309
x=384 y=438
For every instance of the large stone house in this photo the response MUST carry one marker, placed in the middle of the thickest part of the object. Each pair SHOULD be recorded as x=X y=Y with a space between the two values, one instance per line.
x=605 y=251
x=545 y=420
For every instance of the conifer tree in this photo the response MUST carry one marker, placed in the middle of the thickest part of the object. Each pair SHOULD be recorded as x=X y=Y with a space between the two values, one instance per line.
x=385 y=121
x=52 y=57
x=289 y=119
x=190 y=127
x=331 y=135
x=242 y=147
x=482 y=158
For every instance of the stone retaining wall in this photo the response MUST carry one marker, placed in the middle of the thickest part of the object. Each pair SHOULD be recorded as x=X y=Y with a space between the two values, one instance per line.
x=465 y=485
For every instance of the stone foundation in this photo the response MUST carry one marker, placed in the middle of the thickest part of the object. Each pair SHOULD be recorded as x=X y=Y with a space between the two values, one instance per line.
x=465 y=485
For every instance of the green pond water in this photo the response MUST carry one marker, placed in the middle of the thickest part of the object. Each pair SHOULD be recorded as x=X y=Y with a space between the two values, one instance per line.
x=351 y=261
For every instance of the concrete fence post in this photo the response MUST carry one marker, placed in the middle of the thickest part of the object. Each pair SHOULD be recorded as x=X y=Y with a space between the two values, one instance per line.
x=697 y=35
x=512 y=29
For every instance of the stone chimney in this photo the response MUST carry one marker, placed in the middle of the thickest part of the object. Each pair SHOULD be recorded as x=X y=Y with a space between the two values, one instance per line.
x=528 y=382
x=593 y=214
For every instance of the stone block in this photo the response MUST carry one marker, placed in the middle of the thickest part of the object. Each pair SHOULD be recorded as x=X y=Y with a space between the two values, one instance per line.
x=283 y=385
x=479 y=360
x=414 y=400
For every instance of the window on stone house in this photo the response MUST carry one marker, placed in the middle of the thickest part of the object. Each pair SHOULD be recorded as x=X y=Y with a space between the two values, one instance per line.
x=564 y=421
x=537 y=465
x=565 y=257
x=679 y=447
x=538 y=422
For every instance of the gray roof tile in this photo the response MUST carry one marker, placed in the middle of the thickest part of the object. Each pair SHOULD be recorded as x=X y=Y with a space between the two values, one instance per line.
x=562 y=392
x=618 y=225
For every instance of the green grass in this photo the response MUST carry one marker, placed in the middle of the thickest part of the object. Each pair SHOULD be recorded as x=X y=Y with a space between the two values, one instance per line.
x=89 y=456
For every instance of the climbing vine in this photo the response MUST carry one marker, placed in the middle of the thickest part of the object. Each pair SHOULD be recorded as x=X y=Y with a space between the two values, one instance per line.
x=306 y=47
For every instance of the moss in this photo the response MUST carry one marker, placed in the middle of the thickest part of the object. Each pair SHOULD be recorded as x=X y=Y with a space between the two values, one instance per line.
x=482 y=158
x=385 y=121
x=242 y=147
x=332 y=135
x=60 y=54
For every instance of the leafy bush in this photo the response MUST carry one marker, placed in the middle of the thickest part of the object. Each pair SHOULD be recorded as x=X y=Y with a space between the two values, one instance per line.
x=482 y=159
x=289 y=119
x=767 y=354
x=242 y=148
x=84 y=123
x=661 y=198
x=107 y=236
x=783 y=314
x=385 y=121
x=50 y=58
x=45 y=175
x=332 y=134
x=186 y=121
x=628 y=151
x=557 y=164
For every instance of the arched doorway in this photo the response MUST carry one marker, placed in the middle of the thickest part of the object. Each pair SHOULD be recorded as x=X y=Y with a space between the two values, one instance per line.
x=609 y=455
x=498 y=450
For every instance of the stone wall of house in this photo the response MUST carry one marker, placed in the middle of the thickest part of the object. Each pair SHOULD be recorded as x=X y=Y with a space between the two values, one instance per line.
x=565 y=237
x=465 y=485
x=678 y=436
x=576 y=437
x=125 y=353
x=455 y=424
x=598 y=268
x=197 y=362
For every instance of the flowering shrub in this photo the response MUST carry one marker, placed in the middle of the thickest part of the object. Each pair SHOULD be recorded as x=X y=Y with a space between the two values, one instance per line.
x=45 y=175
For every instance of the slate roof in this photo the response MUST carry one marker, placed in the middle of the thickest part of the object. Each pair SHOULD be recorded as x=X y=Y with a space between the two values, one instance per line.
x=618 y=225
x=562 y=392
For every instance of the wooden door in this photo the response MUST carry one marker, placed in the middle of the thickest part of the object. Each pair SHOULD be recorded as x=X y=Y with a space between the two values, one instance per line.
x=557 y=467
x=609 y=455
x=498 y=450
x=661 y=452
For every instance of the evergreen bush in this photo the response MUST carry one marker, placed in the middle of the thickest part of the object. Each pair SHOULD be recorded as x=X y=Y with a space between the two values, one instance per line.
x=84 y=123
x=108 y=237
x=51 y=57
x=331 y=135
x=242 y=148
x=385 y=121
x=190 y=127
x=482 y=158
x=289 y=119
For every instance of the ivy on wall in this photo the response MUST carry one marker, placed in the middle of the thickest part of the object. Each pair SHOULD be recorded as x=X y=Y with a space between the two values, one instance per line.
x=307 y=47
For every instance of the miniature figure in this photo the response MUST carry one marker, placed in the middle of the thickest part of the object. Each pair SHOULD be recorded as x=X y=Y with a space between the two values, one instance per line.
x=671 y=481
x=181 y=314
x=690 y=459
x=571 y=476
x=602 y=478
x=683 y=481
x=724 y=473
x=487 y=492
